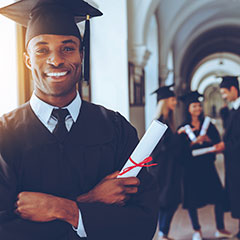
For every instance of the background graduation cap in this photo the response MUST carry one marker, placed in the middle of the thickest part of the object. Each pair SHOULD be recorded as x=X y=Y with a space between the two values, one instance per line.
x=54 y=17
x=164 y=92
x=229 y=81
x=191 y=97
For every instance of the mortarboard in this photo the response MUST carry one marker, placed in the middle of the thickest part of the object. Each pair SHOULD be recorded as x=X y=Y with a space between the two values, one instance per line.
x=164 y=92
x=191 y=97
x=229 y=81
x=54 y=17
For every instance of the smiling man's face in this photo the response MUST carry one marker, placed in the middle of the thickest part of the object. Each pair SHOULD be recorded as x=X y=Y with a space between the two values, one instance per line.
x=55 y=62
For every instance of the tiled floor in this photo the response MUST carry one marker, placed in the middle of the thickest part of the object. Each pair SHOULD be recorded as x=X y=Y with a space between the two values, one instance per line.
x=181 y=228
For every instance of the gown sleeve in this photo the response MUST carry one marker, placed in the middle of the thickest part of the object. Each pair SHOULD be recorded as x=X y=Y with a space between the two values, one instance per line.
x=137 y=219
x=13 y=227
x=231 y=137
x=213 y=134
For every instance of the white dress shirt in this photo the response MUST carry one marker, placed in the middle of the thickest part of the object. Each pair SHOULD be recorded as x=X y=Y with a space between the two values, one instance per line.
x=236 y=103
x=43 y=111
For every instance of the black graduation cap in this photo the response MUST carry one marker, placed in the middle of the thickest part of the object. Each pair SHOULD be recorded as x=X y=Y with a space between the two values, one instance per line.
x=53 y=17
x=164 y=92
x=229 y=81
x=191 y=97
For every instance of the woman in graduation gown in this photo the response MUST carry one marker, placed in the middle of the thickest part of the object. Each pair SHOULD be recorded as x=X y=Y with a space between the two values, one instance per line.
x=167 y=172
x=201 y=182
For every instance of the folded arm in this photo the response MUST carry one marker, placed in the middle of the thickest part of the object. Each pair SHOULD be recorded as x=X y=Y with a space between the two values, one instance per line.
x=136 y=219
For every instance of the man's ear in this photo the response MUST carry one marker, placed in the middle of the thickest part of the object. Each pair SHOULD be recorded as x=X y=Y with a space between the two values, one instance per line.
x=233 y=89
x=27 y=60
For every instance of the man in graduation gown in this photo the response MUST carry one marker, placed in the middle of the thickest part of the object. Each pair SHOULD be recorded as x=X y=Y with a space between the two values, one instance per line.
x=230 y=145
x=59 y=155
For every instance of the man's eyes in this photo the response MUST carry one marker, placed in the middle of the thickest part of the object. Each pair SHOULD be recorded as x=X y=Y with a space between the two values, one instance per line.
x=68 y=49
x=42 y=51
x=65 y=49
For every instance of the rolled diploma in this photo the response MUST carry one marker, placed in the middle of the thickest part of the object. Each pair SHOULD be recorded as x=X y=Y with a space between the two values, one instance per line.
x=145 y=147
x=202 y=151
x=190 y=133
x=205 y=126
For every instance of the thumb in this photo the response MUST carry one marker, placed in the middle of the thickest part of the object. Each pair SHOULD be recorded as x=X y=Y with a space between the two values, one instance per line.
x=112 y=175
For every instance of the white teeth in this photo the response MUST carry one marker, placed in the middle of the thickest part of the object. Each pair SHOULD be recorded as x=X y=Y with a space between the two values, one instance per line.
x=56 y=74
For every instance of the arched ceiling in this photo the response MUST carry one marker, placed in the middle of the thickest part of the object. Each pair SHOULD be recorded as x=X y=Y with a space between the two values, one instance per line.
x=212 y=28
x=210 y=69
x=221 y=39
x=192 y=30
x=139 y=15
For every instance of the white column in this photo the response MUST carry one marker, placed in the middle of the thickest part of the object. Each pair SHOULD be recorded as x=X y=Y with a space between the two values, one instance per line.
x=163 y=73
x=109 y=59
x=151 y=72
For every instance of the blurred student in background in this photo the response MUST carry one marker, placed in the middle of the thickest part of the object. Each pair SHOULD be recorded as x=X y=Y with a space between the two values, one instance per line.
x=201 y=183
x=168 y=170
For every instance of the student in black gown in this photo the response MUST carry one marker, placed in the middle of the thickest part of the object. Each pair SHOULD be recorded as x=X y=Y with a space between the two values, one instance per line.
x=230 y=145
x=201 y=182
x=60 y=155
x=168 y=170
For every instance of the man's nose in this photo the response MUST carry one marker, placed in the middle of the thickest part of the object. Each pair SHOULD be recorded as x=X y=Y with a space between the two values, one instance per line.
x=55 y=59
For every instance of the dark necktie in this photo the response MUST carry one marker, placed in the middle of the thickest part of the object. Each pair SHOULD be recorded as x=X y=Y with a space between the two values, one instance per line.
x=60 y=131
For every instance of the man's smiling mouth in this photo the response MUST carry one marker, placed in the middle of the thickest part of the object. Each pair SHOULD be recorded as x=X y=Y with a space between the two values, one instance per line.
x=57 y=74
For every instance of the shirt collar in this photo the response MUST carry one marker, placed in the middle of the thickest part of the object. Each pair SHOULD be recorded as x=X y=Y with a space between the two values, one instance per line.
x=74 y=107
x=44 y=110
x=236 y=103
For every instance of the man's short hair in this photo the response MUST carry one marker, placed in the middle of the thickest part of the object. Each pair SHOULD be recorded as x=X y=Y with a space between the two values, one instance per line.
x=229 y=81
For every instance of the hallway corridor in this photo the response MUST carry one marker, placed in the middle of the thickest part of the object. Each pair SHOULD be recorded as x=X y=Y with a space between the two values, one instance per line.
x=181 y=227
x=182 y=230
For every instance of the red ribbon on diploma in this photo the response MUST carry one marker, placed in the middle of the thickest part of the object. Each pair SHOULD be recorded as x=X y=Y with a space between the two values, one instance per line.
x=141 y=164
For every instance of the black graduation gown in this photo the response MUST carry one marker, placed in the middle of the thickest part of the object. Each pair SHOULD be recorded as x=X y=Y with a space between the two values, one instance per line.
x=232 y=161
x=98 y=144
x=168 y=172
x=201 y=183
x=224 y=113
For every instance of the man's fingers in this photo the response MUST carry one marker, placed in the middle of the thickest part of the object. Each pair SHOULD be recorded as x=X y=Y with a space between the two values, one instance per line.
x=125 y=181
x=131 y=190
x=17 y=211
x=112 y=190
x=112 y=176
x=130 y=181
x=122 y=200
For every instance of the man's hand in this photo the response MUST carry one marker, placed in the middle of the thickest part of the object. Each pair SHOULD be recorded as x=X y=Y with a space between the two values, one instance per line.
x=220 y=147
x=41 y=207
x=112 y=190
